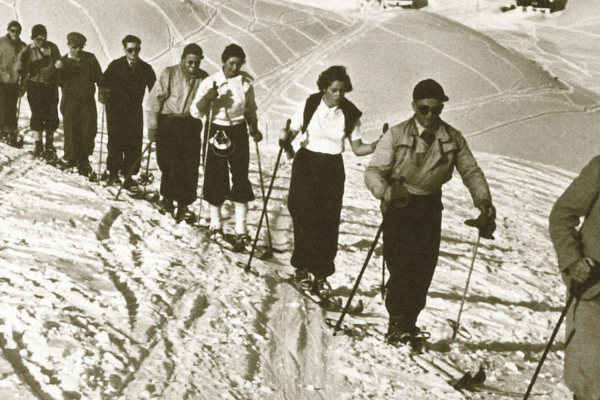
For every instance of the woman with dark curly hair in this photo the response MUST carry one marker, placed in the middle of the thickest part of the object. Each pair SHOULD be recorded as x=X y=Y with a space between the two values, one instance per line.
x=326 y=120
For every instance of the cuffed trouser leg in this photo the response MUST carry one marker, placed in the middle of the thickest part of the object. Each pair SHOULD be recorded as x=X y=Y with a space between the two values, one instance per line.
x=411 y=241
x=315 y=205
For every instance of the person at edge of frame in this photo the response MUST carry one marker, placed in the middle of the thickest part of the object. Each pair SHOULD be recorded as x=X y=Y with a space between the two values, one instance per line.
x=230 y=94
x=421 y=152
x=121 y=90
x=11 y=48
x=40 y=83
x=578 y=252
x=78 y=73
x=176 y=133
x=327 y=119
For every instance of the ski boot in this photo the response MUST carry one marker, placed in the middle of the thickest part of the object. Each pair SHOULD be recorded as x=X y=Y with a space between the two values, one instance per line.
x=113 y=179
x=14 y=139
x=242 y=242
x=303 y=279
x=321 y=288
x=39 y=149
x=184 y=214
x=166 y=206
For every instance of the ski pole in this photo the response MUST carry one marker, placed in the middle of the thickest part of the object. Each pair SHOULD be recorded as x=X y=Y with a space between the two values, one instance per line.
x=204 y=154
x=362 y=271
x=101 y=140
x=382 y=278
x=130 y=172
x=247 y=267
x=269 y=252
x=549 y=345
x=456 y=326
x=147 y=177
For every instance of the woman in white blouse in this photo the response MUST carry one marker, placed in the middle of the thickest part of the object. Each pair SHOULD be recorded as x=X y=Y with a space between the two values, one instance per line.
x=230 y=92
x=326 y=121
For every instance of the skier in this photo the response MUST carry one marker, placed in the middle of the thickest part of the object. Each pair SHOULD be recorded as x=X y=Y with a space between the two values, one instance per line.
x=11 y=48
x=78 y=73
x=233 y=119
x=326 y=120
x=578 y=252
x=421 y=151
x=177 y=134
x=39 y=80
x=122 y=89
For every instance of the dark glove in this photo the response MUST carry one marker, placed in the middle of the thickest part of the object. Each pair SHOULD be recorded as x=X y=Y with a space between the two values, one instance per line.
x=152 y=133
x=256 y=135
x=103 y=95
x=485 y=222
x=395 y=195
x=211 y=95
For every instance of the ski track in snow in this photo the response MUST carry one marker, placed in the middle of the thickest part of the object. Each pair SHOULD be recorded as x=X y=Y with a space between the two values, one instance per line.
x=157 y=311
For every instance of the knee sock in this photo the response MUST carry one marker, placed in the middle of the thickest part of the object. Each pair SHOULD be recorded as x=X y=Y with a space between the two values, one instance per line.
x=37 y=136
x=241 y=210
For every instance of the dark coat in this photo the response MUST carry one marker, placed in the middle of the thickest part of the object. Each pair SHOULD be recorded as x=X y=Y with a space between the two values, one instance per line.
x=127 y=85
x=78 y=79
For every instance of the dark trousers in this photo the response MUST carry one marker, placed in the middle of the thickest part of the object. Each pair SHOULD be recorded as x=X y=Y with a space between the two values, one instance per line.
x=9 y=96
x=315 y=205
x=43 y=102
x=178 y=157
x=411 y=244
x=125 y=133
x=80 y=123
x=216 y=188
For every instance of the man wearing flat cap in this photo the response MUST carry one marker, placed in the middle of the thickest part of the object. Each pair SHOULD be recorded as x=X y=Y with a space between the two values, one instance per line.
x=407 y=170
x=78 y=73
x=11 y=48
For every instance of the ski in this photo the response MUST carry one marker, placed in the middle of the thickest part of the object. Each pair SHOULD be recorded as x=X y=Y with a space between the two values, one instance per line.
x=332 y=304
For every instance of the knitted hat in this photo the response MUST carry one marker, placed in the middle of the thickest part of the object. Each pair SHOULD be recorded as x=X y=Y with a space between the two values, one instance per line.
x=14 y=24
x=38 y=30
x=192 y=48
x=233 y=50
x=429 y=89
x=76 y=39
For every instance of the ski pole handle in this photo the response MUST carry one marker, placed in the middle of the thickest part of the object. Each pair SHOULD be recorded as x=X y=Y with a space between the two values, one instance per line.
x=286 y=145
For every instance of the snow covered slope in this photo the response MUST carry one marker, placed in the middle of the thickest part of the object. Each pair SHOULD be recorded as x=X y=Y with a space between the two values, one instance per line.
x=155 y=311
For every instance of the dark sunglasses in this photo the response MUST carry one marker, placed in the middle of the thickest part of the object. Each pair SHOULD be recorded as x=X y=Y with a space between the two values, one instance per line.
x=40 y=39
x=424 y=110
x=133 y=49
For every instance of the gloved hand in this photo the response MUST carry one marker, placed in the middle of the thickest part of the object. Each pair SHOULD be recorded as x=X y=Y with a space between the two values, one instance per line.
x=395 y=195
x=256 y=134
x=485 y=222
x=581 y=269
x=211 y=95
x=22 y=90
x=103 y=94
x=152 y=133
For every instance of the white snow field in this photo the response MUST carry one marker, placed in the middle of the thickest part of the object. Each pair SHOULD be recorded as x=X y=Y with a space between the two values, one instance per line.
x=153 y=310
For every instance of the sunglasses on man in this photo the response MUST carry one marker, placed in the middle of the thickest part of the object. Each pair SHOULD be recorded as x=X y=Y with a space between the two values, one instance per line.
x=133 y=49
x=425 y=110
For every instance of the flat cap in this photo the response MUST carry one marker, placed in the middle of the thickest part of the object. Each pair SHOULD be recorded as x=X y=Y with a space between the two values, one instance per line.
x=429 y=89
x=76 y=39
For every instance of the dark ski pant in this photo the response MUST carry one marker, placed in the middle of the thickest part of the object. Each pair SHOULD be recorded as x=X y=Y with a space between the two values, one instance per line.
x=411 y=243
x=125 y=127
x=9 y=97
x=80 y=123
x=216 y=187
x=178 y=157
x=315 y=205
x=43 y=102
x=582 y=349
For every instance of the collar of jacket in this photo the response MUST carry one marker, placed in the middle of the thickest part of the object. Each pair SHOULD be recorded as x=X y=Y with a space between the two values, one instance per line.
x=409 y=135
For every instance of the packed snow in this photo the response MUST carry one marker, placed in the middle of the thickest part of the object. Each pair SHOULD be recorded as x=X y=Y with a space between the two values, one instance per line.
x=104 y=298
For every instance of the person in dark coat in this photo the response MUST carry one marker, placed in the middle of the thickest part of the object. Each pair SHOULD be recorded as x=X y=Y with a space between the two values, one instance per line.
x=411 y=163
x=78 y=74
x=578 y=251
x=123 y=85
x=176 y=132
x=11 y=48
x=327 y=119
x=39 y=80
